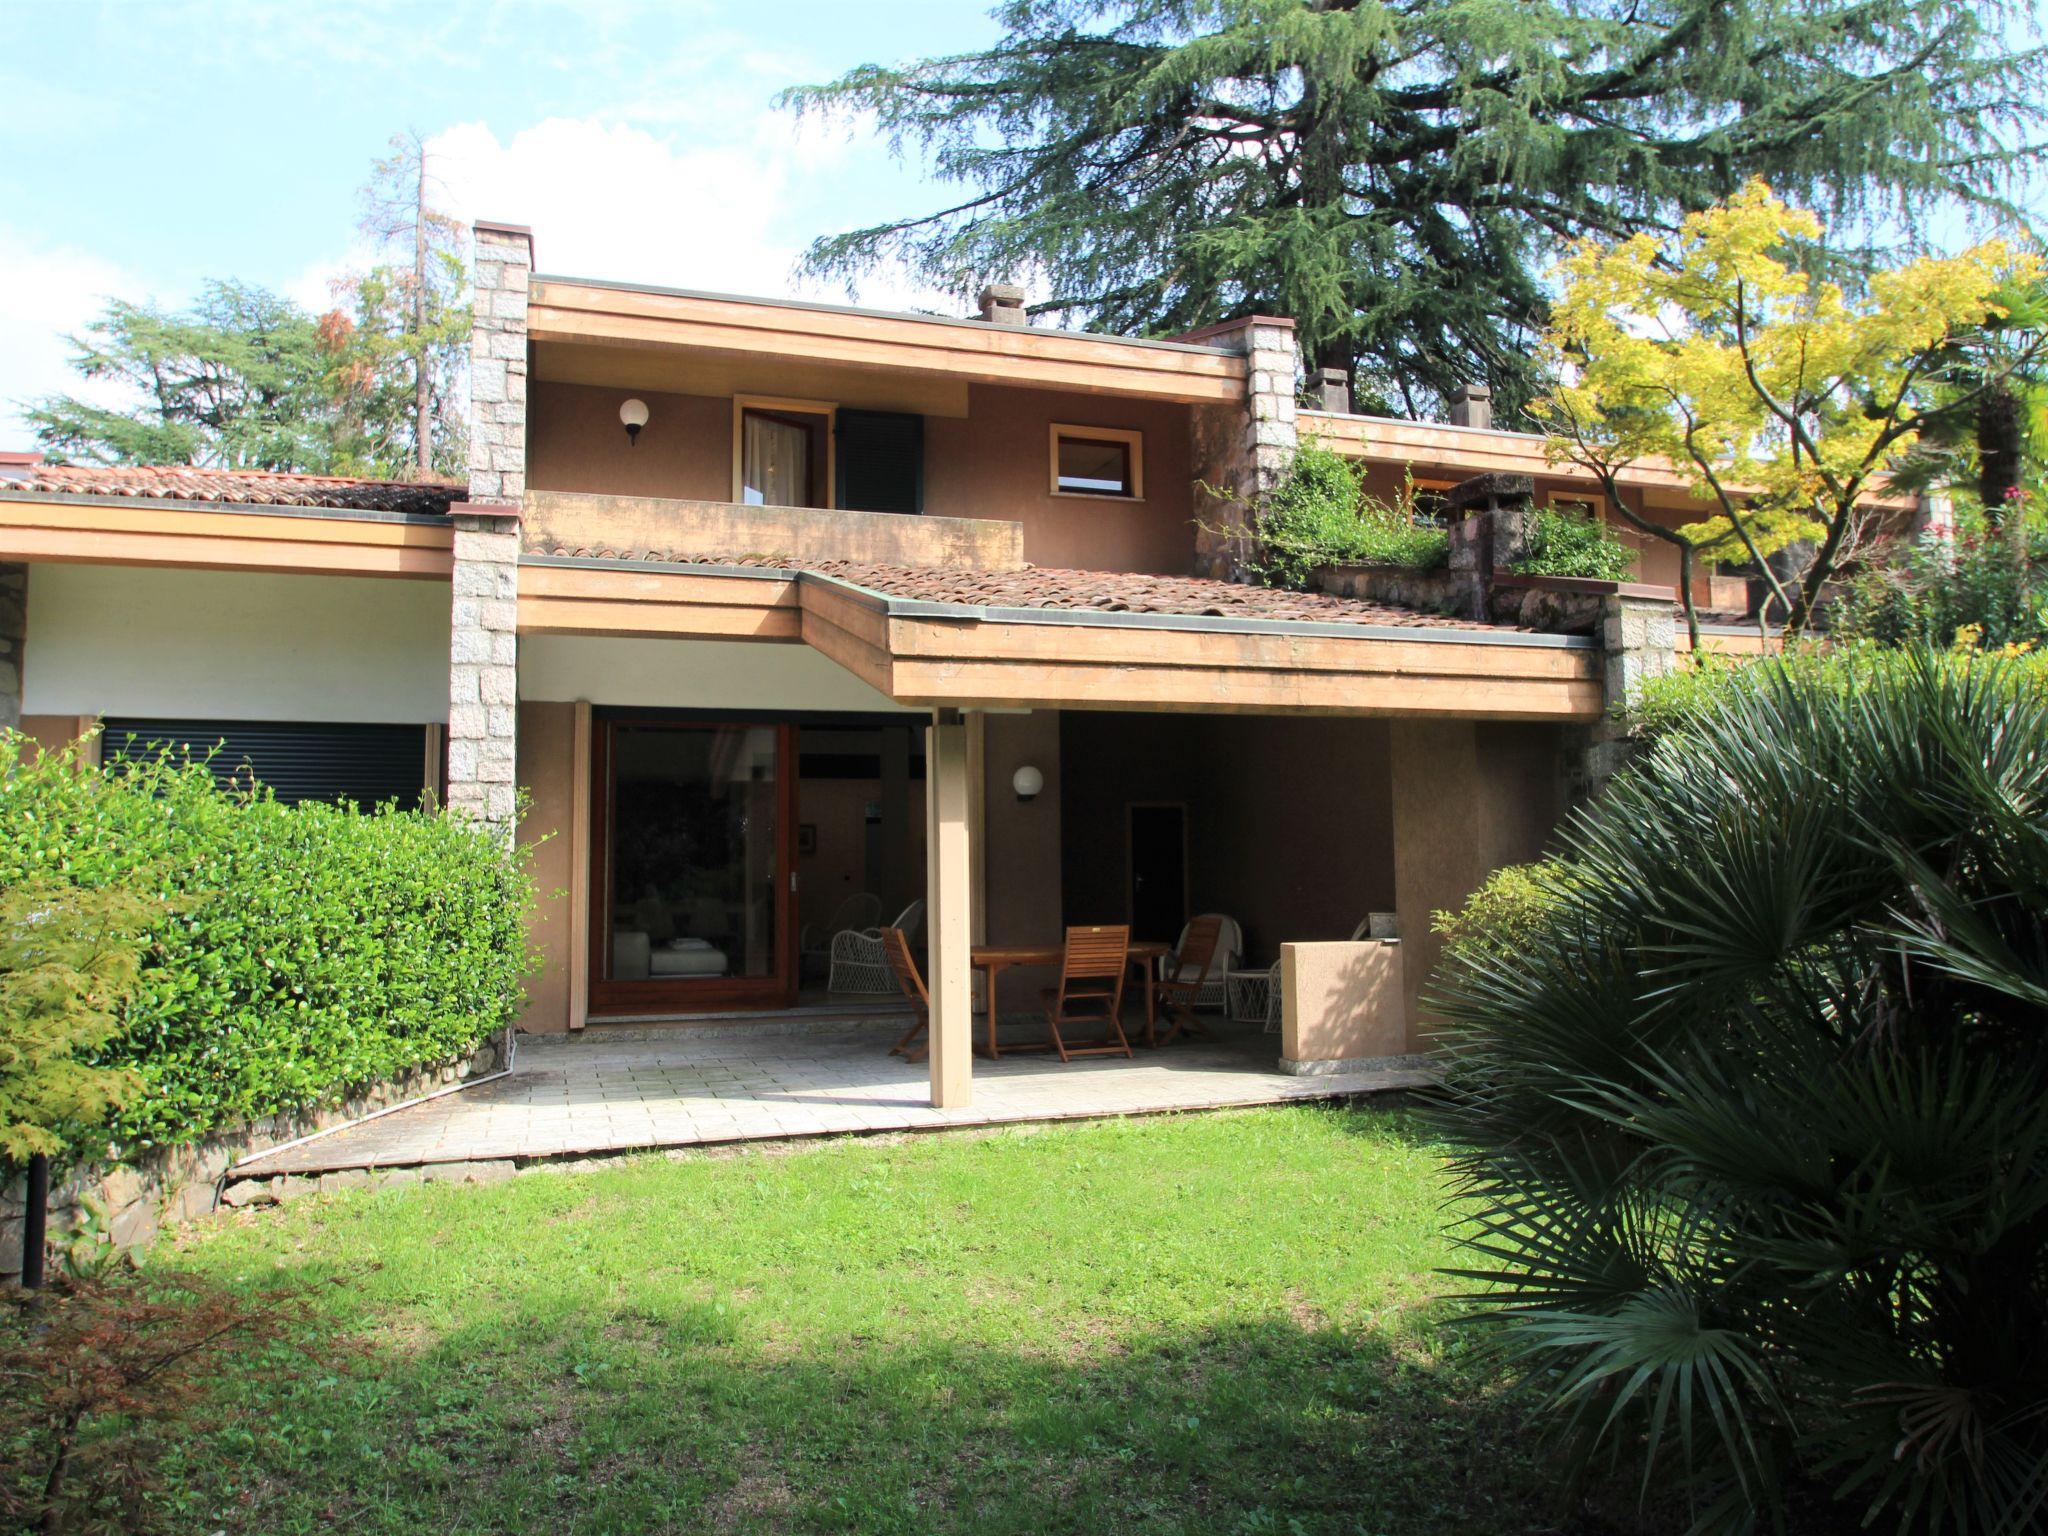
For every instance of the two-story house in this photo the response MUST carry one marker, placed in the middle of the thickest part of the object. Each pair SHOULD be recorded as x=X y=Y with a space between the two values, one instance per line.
x=753 y=607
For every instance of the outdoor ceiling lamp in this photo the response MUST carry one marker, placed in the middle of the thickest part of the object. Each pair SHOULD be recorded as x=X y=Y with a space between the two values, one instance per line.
x=1027 y=781
x=634 y=414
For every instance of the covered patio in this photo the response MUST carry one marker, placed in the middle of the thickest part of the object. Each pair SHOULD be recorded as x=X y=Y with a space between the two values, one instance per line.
x=614 y=1090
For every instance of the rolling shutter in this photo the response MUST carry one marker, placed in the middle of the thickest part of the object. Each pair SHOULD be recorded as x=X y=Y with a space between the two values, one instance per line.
x=880 y=461
x=367 y=764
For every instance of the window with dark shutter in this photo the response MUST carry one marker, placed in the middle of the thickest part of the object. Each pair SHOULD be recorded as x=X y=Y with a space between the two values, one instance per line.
x=881 y=461
x=366 y=764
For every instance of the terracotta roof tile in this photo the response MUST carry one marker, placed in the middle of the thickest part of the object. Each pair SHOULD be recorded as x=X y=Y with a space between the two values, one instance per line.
x=1081 y=591
x=248 y=486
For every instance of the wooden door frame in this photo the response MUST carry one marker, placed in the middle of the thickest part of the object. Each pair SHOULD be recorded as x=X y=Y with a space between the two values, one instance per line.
x=614 y=999
x=1131 y=807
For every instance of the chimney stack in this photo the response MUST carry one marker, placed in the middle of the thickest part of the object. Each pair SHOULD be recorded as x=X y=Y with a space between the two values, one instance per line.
x=1003 y=304
x=1471 y=406
x=1330 y=388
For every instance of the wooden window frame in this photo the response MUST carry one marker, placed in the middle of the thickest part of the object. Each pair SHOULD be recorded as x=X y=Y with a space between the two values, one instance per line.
x=1134 y=448
x=681 y=996
x=829 y=409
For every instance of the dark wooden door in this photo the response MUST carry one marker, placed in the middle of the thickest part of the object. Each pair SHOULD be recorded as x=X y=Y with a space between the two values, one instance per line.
x=1158 y=872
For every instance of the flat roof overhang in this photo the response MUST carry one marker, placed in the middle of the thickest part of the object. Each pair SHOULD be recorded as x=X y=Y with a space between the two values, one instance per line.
x=42 y=526
x=1447 y=447
x=952 y=655
x=569 y=316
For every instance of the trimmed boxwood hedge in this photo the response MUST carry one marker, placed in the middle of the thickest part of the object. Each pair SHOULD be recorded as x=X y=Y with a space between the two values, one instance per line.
x=303 y=950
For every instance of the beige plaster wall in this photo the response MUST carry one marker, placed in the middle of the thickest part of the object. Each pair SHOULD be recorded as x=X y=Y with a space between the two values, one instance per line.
x=1468 y=797
x=546 y=771
x=1343 y=1002
x=992 y=463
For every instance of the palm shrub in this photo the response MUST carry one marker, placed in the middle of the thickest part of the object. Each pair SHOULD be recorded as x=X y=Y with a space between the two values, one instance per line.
x=1748 y=1110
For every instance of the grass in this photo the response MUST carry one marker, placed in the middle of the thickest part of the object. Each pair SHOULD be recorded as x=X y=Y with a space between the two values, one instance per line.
x=1208 y=1324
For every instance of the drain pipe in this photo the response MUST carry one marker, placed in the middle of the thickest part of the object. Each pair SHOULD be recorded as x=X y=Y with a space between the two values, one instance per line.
x=510 y=1051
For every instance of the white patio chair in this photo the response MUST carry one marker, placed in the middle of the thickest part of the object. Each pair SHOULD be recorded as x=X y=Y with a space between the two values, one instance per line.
x=860 y=961
x=1229 y=955
x=814 y=940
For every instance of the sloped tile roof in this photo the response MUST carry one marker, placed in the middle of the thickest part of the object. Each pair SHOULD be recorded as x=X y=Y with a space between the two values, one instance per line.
x=1079 y=591
x=245 y=486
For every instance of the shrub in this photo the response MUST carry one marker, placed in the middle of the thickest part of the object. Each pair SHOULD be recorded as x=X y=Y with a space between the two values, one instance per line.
x=299 y=950
x=1747 y=1109
x=1565 y=543
x=1320 y=514
x=1990 y=582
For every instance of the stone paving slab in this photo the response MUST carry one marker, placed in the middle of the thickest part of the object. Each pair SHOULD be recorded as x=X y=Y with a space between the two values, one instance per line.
x=577 y=1095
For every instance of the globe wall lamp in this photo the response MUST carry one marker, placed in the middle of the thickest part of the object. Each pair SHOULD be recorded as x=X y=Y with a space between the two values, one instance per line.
x=634 y=414
x=1027 y=781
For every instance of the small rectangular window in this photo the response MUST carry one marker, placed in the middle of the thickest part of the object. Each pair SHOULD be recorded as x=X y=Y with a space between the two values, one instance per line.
x=1098 y=461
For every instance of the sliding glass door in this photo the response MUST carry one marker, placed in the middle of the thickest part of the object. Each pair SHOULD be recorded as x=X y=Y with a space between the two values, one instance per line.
x=690 y=886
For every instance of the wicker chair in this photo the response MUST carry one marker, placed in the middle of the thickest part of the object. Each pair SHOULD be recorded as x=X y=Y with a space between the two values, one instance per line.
x=814 y=942
x=860 y=962
x=1229 y=955
x=1091 y=990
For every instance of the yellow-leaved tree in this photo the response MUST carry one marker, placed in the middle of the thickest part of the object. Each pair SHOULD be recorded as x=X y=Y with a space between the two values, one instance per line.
x=1786 y=404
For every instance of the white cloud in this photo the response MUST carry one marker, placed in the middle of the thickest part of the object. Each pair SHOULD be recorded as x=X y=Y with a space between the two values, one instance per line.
x=46 y=293
x=612 y=199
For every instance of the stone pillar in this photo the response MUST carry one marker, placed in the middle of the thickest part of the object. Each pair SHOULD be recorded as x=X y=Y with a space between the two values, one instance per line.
x=483 y=664
x=949 y=904
x=1639 y=634
x=497 y=364
x=13 y=637
x=1242 y=452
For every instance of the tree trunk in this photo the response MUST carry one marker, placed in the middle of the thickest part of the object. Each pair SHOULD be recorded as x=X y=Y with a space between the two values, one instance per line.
x=423 y=392
x=2001 y=447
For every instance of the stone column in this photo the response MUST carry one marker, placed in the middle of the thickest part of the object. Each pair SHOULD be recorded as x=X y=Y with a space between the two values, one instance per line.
x=949 y=904
x=1242 y=452
x=483 y=664
x=1491 y=516
x=1639 y=634
x=497 y=364
x=13 y=636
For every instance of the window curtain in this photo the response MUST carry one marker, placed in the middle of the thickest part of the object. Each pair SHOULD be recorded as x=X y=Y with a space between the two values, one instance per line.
x=775 y=462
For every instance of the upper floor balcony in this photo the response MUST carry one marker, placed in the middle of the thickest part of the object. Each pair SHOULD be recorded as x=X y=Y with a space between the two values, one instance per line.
x=805 y=432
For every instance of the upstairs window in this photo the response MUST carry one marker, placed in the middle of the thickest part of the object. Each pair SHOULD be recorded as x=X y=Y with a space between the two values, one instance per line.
x=1098 y=461
x=782 y=453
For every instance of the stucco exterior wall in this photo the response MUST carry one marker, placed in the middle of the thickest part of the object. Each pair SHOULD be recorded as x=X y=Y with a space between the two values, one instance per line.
x=692 y=674
x=994 y=462
x=1288 y=818
x=1468 y=797
x=235 y=645
x=1342 y=1002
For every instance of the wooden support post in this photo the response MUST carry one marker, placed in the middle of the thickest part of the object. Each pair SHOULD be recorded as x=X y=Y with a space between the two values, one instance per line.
x=580 y=834
x=949 y=897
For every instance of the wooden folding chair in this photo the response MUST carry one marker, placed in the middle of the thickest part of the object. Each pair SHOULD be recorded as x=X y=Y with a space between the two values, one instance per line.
x=903 y=966
x=1177 y=991
x=1091 y=990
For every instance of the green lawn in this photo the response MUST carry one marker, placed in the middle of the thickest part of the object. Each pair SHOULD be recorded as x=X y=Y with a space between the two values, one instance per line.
x=1219 y=1323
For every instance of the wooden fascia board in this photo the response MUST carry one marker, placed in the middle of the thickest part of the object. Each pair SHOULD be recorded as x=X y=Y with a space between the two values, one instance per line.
x=991 y=354
x=301 y=540
x=611 y=600
x=1476 y=450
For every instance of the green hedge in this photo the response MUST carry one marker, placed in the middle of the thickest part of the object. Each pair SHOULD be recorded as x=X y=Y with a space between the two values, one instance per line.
x=305 y=950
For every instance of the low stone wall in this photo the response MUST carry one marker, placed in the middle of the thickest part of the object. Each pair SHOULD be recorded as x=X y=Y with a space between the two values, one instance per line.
x=129 y=1203
x=1551 y=605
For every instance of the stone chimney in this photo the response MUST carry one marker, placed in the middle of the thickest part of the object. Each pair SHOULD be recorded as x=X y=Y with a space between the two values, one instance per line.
x=1329 y=390
x=1003 y=304
x=1471 y=406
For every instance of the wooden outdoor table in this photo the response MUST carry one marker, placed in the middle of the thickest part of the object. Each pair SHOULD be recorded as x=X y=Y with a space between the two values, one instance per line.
x=998 y=958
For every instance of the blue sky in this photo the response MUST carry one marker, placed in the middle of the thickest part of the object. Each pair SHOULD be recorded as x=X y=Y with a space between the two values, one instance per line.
x=148 y=145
